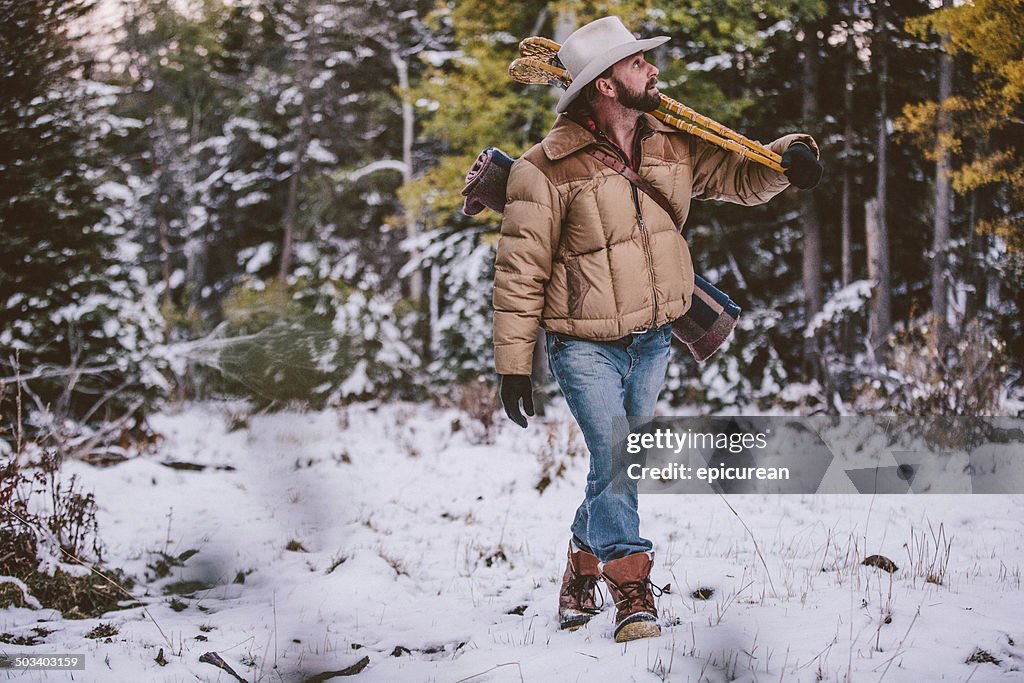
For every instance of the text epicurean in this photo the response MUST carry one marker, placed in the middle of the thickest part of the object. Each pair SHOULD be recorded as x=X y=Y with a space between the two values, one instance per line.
x=675 y=472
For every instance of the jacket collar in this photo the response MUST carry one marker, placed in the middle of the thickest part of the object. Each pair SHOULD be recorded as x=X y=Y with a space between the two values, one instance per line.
x=567 y=136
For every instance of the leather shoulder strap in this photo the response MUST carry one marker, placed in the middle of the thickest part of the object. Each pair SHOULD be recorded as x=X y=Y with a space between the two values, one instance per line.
x=615 y=163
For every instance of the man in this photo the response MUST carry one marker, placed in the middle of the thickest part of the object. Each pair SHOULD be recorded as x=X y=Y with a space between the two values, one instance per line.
x=603 y=268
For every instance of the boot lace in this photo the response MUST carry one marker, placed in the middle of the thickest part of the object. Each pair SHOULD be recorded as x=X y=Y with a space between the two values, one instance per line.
x=640 y=593
x=583 y=587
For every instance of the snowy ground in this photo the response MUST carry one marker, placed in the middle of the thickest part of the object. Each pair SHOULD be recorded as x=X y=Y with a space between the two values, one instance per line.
x=438 y=560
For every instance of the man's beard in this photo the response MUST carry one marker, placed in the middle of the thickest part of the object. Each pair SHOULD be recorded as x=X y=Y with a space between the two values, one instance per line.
x=644 y=100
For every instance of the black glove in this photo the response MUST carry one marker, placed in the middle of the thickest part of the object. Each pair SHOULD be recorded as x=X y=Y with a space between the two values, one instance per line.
x=802 y=168
x=514 y=388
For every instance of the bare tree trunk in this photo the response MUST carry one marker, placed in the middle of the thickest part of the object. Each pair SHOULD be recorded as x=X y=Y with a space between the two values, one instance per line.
x=875 y=219
x=197 y=248
x=412 y=228
x=847 y=218
x=165 y=265
x=565 y=24
x=813 y=290
x=538 y=23
x=880 y=313
x=846 y=258
x=972 y=276
x=292 y=202
x=981 y=287
x=301 y=148
x=433 y=313
x=992 y=282
x=940 y=238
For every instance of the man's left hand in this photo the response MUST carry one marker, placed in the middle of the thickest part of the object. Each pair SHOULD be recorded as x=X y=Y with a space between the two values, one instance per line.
x=802 y=168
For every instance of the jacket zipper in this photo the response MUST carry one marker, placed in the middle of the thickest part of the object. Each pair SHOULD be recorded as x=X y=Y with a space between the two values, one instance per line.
x=637 y=149
x=647 y=253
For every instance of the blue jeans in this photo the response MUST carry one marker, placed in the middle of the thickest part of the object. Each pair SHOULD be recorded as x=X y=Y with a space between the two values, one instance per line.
x=609 y=385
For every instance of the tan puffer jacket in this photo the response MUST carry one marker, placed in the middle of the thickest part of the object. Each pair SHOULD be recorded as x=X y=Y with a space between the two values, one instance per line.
x=583 y=253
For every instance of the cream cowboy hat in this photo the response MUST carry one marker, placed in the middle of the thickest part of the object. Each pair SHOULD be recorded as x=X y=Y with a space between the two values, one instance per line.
x=593 y=48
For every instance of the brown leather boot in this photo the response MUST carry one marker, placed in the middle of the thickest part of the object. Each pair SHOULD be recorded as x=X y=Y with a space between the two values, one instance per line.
x=577 y=600
x=629 y=582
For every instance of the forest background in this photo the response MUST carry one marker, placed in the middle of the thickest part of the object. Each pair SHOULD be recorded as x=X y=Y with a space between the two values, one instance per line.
x=260 y=199
x=214 y=207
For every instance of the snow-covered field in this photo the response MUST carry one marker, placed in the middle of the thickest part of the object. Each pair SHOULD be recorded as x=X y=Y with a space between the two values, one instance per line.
x=385 y=532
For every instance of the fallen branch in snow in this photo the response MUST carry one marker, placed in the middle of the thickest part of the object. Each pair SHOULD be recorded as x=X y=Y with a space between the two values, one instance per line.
x=347 y=671
x=81 y=448
x=81 y=444
x=218 y=661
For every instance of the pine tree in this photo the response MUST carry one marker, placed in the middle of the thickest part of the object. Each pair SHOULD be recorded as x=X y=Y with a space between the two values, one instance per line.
x=75 y=326
x=166 y=87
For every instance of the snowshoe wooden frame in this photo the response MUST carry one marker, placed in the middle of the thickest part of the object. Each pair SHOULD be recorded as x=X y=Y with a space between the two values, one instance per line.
x=539 y=64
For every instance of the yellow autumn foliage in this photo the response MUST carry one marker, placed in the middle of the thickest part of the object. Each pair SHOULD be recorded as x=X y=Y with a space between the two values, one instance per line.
x=986 y=115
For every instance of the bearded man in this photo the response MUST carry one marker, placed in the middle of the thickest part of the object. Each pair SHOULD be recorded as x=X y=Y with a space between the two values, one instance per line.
x=599 y=264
